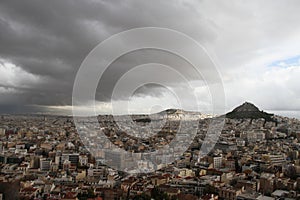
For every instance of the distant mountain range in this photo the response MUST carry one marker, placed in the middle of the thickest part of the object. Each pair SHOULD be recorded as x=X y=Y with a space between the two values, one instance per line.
x=245 y=111
x=173 y=111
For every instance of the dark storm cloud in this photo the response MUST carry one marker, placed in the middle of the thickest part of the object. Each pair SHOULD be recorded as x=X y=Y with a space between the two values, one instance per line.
x=134 y=59
x=50 y=39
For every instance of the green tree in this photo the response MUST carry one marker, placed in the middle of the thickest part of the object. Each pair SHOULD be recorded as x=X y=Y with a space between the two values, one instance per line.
x=142 y=197
x=156 y=194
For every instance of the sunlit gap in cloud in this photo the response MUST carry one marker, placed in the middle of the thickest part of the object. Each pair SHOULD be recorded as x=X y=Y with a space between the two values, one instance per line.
x=146 y=103
x=13 y=76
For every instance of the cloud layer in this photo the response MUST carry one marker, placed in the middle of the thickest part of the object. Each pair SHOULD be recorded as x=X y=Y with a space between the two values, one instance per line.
x=44 y=43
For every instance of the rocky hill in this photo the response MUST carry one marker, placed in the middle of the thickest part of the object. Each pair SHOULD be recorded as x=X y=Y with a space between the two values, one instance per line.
x=249 y=111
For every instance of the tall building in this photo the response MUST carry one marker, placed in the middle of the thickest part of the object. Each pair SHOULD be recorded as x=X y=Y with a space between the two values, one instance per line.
x=83 y=160
x=115 y=159
x=2 y=131
x=45 y=164
x=229 y=193
x=73 y=158
x=267 y=183
x=34 y=162
x=217 y=161
x=253 y=136
x=277 y=160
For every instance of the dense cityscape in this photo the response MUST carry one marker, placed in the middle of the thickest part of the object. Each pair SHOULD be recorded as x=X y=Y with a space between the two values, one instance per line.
x=256 y=157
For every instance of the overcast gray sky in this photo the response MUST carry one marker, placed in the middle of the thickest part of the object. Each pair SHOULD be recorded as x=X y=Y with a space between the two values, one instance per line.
x=256 y=45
